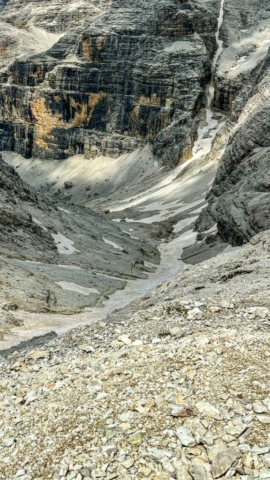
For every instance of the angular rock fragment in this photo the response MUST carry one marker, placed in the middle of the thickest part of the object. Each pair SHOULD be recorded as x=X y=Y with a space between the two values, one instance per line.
x=224 y=460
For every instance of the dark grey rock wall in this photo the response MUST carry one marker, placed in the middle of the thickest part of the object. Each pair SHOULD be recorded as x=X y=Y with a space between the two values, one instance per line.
x=239 y=201
x=136 y=74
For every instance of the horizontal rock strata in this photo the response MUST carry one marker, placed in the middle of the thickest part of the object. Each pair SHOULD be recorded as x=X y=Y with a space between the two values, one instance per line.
x=53 y=15
x=136 y=74
x=239 y=200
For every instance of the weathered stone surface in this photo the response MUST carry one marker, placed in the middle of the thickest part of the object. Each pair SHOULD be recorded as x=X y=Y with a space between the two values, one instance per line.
x=114 y=84
x=38 y=254
x=239 y=16
x=18 y=228
x=181 y=410
x=207 y=409
x=239 y=200
x=185 y=437
x=224 y=461
x=52 y=15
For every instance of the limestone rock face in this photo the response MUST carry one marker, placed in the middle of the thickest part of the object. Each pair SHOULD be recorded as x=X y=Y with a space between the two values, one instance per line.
x=133 y=75
x=18 y=231
x=28 y=28
x=245 y=32
x=55 y=16
x=240 y=16
x=239 y=201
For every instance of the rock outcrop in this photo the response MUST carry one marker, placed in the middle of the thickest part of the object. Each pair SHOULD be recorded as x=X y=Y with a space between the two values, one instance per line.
x=239 y=201
x=18 y=231
x=240 y=16
x=56 y=16
x=28 y=28
x=133 y=75
x=43 y=246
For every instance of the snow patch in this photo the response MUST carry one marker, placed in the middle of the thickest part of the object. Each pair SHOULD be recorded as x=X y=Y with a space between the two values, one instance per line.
x=40 y=224
x=64 y=244
x=180 y=46
x=112 y=244
x=69 y=267
x=63 y=210
x=74 y=287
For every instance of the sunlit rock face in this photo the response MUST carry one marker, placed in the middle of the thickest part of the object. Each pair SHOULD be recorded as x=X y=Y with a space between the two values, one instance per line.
x=55 y=16
x=133 y=75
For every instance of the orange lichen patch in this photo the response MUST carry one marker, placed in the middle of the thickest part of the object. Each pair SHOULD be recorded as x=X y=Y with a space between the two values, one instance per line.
x=87 y=47
x=169 y=102
x=187 y=154
x=41 y=143
x=85 y=111
x=95 y=98
x=45 y=122
x=145 y=101
x=163 y=120
x=90 y=44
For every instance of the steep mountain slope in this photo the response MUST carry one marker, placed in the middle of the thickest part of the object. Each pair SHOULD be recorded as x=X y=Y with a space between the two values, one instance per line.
x=174 y=387
x=114 y=84
x=240 y=16
x=58 y=260
x=32 y=27
x=239 y=200
x=56 y=16
x=170 y=379
x=18 y=232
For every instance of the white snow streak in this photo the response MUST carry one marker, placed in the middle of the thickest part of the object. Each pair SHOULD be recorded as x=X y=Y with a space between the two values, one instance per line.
x=64 y=244
x=74 y=287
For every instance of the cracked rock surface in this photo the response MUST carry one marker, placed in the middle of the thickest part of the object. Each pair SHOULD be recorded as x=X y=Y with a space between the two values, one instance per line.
x=110 y=84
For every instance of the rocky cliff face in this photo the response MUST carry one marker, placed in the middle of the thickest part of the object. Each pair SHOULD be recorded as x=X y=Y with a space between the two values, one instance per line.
x=239 y=200
x=55 y=16
x=246 y=33
x=18 y=231
x=135 y=74
x=241 y=16
x=28 y=28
